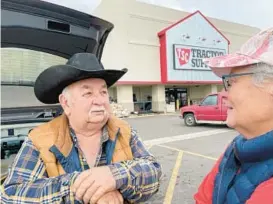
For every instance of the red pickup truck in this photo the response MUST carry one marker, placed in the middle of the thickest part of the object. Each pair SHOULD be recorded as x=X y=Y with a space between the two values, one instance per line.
x=211 y=110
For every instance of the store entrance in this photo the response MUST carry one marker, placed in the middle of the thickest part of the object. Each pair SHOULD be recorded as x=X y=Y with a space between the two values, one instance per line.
x=178 y=96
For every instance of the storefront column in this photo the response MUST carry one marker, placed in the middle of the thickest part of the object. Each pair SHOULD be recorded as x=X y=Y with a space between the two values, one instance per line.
x=214 y=88
x=158 y=98
x=125 y=96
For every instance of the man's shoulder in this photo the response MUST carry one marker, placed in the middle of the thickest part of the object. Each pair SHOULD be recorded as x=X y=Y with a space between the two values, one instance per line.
x=45 y=133
x=119 y=121
x=47 y=126
x=114 y=123
x=40 y=128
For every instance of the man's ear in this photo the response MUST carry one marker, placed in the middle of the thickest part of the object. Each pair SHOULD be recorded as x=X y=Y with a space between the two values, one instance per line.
x=65 y=104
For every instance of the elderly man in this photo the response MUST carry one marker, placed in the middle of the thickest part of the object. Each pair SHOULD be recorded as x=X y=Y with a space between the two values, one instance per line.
x=244 y=174
x=85 y=155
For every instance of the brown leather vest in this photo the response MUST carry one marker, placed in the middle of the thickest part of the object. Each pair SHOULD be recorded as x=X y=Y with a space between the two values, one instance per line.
x=56 y=132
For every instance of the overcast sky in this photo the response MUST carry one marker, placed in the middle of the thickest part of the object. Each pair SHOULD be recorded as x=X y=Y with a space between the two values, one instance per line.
x=257 y=13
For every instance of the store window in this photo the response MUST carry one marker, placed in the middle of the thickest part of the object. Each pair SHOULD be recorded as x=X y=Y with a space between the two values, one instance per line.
x=177 y=95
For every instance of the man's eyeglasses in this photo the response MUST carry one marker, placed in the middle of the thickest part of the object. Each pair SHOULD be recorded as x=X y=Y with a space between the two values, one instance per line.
x=227 y=79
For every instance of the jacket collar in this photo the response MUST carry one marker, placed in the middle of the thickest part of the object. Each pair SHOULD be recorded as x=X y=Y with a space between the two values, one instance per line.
x=254 y=150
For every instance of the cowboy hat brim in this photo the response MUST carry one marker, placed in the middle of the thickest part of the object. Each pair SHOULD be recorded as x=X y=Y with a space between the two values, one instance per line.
x=51 y=82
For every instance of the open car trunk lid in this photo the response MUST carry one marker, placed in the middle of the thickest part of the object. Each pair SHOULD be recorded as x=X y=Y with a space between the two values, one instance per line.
x=51 y=28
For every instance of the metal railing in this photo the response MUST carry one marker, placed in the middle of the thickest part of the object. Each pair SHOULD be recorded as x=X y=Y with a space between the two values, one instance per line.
x=143 y=106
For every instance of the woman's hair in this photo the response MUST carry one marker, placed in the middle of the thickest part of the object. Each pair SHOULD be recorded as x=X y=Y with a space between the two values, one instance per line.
x=261 y=72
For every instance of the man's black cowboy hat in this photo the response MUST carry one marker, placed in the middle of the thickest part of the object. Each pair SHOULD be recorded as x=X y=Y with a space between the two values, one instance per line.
x=51 y=82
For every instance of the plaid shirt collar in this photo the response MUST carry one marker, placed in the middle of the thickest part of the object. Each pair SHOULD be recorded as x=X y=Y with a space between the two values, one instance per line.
x=104 y=138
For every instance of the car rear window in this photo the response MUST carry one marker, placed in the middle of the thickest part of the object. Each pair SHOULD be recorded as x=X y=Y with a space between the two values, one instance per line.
x=22 y=66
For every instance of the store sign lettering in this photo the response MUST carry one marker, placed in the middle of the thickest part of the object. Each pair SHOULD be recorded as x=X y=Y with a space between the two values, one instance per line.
x=189 y=57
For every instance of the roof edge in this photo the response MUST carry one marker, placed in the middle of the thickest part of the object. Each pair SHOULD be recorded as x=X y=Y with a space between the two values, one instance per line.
x=163 y=32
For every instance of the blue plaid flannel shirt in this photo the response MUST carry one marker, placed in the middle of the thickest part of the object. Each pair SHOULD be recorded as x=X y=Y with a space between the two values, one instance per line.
x=27 y=180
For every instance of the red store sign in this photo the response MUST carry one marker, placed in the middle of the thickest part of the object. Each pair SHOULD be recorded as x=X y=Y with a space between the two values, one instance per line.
x=191 y=57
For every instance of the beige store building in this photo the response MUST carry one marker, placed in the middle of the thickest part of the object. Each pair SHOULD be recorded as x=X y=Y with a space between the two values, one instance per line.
x=163 y=50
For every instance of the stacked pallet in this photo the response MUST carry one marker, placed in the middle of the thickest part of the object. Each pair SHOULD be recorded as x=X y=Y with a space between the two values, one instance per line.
x=119 y=111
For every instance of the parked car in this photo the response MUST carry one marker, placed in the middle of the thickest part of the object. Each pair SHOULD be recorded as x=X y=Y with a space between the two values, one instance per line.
x=40 y=27
x=11 y=144
x=211 y=110
x=18 y=121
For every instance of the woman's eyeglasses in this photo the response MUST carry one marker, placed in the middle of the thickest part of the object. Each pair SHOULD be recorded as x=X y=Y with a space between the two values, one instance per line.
x=227 y=79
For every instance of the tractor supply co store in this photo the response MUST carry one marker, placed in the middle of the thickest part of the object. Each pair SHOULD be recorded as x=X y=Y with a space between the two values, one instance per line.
x=163 y=51
x=183 y=46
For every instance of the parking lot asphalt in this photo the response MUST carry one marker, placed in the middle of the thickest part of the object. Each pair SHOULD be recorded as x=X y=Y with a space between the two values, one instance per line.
x=186 y=154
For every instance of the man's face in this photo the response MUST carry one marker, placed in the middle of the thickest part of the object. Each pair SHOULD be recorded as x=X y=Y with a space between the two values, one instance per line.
x=248 y=105
x=88 y=102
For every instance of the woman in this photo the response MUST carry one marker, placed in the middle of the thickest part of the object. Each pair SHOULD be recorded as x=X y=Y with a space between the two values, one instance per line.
x=244 y=173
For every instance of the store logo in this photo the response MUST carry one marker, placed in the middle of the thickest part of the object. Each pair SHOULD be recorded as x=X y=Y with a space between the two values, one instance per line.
x=183 y=55
x=191 y=57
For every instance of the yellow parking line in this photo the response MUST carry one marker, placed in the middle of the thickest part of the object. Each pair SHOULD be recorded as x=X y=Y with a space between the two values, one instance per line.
x=187 y=152
x=201 y=155
x=170 y=190
x=171 y=148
